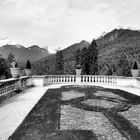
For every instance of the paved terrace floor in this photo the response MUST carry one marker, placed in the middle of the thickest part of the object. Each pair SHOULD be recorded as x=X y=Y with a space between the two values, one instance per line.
x=15 y=109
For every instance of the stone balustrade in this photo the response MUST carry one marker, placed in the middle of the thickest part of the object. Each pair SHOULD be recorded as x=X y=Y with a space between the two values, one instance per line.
x=7 y=86
x=83 y=79
x=10 y=87
x=60 y=79
x=98 y=79
x=91 y=79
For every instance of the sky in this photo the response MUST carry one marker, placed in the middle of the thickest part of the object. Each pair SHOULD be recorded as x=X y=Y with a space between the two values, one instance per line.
x=61 y=23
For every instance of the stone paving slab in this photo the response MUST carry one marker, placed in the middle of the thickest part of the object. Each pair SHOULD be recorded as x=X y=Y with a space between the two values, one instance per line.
x=15 y=109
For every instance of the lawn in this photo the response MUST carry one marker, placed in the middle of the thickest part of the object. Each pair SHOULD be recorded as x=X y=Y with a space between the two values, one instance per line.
x=82 y=113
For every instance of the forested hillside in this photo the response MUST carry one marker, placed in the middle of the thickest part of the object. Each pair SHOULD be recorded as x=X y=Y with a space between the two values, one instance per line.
x=22 y=54
x=113 y=47
x=47 y=64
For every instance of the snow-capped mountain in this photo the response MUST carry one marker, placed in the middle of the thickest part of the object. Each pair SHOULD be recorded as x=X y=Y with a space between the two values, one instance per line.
x=51 y=51
x=21 y=53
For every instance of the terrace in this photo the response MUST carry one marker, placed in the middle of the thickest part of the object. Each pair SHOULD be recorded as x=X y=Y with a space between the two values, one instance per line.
x=70 y=107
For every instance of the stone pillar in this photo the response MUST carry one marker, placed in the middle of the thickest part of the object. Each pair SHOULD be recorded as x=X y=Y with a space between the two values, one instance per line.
x=78 y=79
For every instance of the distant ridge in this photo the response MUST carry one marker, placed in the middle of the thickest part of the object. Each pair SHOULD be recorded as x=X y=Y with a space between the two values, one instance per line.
x=33 y=53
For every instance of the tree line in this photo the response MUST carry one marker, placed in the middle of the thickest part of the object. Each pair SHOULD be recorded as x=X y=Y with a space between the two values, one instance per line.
x=87 y=58
x=90 y=58
x=92 y=64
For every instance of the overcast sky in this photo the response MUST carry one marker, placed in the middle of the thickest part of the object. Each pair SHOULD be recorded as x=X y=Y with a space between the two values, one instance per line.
x=55 y=23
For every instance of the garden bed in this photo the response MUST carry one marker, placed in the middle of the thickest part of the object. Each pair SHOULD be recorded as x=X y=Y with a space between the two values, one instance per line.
x=82 y=112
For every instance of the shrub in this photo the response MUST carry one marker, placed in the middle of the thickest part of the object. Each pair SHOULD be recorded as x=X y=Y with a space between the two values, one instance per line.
x=135 y=66
x=16 y=65
x=28 y=65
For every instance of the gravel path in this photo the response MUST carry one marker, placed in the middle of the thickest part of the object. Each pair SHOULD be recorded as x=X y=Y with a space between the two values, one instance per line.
x=77 y=119
x=133 y=115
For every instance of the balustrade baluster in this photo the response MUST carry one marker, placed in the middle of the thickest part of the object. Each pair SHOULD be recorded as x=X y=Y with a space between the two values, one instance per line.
x=71 y=79
x=59 y=79
x=85 y=79
x=81 y=78
x=88 y=79
x=66 y=79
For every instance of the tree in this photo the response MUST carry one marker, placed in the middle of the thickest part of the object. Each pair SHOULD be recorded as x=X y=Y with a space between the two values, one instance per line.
x=85 y=61
x=28 y=65
x=59 y=63
x=11 y=57
x=109 y=70
x=93 y=58
x=123 y=66
x=4 y=68
x=77 y=57
x=2 y=65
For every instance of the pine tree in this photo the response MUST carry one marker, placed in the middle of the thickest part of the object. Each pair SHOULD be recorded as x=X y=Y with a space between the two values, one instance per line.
x=123 y=66
x=11 y=57
x=28 y=65
x=2 y=66
x=93 y=58
x=78 y=57
x=59 y=64
x=85 y=61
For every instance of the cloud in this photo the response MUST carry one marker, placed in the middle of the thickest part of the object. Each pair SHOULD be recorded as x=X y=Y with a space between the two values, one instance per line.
x=56 y=23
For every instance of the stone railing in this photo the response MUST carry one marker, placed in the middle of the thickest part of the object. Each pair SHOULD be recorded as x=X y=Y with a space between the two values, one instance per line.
x=98 y=79
x=90 y=79
x=60 y=79
x=7 y=86
x=11 y=86
x=83 y=79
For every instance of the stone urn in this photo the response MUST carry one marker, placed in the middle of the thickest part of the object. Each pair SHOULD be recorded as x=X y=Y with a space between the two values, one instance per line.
x=28 y=72
x=15 y=72
x=135 y=70
x=78 y=70
x=135 y=73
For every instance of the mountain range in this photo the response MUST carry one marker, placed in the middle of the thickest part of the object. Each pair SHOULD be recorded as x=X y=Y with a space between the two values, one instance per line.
x=112 y=46
x=22 y=54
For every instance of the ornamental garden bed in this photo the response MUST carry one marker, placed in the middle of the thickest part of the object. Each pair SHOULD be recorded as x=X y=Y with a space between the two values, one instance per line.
x=82 y=113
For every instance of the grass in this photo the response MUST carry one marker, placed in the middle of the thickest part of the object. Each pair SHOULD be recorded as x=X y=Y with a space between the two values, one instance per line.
x=43 y=122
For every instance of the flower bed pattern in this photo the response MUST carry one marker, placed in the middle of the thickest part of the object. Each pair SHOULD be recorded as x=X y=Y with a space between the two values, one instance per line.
x=82 y=113
x=71 y=95
x=101 y=103
x=108 y=95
